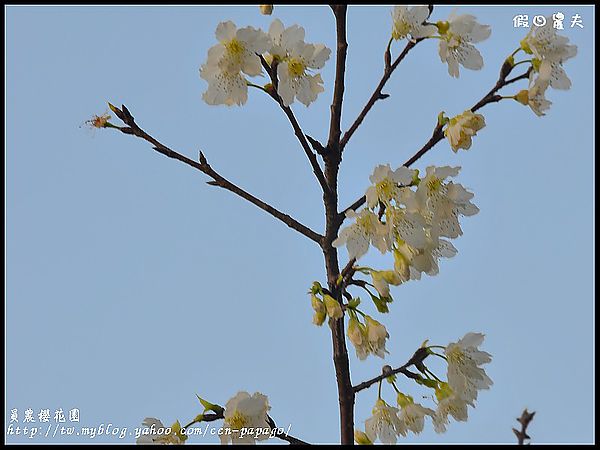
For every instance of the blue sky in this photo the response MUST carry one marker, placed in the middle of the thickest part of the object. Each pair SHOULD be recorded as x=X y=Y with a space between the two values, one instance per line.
x=132 y=285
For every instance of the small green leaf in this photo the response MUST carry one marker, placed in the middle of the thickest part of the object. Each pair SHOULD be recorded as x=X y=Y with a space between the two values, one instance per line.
x=210 y=406
x=380 y=304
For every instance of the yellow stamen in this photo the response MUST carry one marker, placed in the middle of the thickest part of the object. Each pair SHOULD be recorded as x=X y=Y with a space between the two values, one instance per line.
x=296 y=67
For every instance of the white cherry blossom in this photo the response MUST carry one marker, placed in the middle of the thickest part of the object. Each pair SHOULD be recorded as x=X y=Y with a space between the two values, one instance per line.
x=295 y=77
x=426 y=259
x=408 y=21
x=234 y=55
x=441 y=202
x=404 y=226
x=456 y=47
x=296 y=62
x=157 y=433
x=386 y=184
x=551 y=50
x=245 y=411
x=535 y=96
x=284 y=39
x=412 y=414
x=465 y=377
x=384 y=424
x=449 y=404
x=366 y=230
x=368 y=338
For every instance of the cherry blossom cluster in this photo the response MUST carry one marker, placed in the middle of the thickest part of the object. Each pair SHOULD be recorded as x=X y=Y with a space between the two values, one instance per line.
x=245 y=420
x=412 y=218
x=465 y=378
x=244 y=52
x=548 y=51
x=456 y=35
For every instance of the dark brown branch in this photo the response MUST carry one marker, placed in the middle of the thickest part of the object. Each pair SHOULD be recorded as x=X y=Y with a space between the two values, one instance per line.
x=305 y=146
x=491 y=96
x=377 y=94
x=332 y=159
x=347 y=274
x=348 y=270
x=524 y=420
x=438 y=133
x=204 y=167
x=417 y=358
x=340 y=69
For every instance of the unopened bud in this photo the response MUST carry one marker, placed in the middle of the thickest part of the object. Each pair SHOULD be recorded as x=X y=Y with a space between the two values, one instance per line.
x=266 y=9
x=523 y=97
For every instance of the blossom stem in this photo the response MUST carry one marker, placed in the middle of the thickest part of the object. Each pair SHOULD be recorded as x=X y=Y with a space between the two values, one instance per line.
x=189 y=424
x=441 y=356
x=256 y=86
x=429 y=372
x=360 y=312
x=525 y=61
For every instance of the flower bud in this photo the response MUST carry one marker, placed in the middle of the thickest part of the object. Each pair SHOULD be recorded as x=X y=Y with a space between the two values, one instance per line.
x=523 y=97
x=361 y=438
x=266 y=9
x=320 y=311
x=334 y=309
x=443 y=26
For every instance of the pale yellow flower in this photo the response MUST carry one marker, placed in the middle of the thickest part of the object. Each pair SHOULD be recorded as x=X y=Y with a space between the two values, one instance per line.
x=462 y=128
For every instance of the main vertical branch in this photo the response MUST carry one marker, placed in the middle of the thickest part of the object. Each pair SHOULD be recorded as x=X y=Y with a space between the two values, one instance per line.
x=332 y=158
x=340 y=70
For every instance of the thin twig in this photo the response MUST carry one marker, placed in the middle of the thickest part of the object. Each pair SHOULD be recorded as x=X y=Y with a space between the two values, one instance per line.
x=524 y=420
x=305 y=146
x=377 y=94
x=417 y=358
x=204 y=167
x=312 y=158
